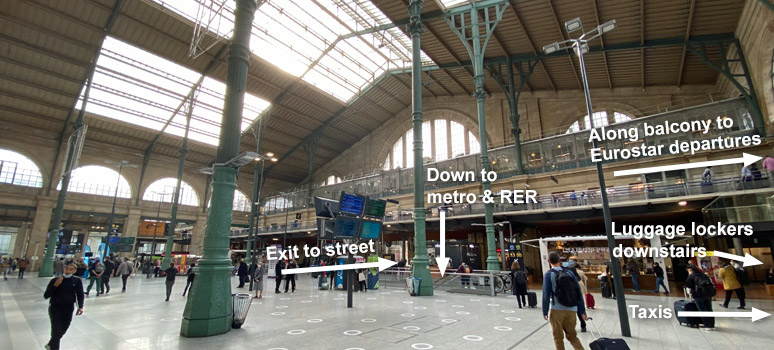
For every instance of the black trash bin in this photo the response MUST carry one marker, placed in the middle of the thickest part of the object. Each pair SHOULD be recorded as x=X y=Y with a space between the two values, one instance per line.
x=241 y=305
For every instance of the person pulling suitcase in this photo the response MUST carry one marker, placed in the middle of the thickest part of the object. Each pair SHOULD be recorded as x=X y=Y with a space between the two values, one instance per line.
x=602 y=343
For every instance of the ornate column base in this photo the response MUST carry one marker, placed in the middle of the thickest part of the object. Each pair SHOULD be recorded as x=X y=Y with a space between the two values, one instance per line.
x=208 y=310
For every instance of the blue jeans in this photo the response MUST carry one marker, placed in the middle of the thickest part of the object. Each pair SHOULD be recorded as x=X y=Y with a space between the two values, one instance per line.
x=636 y=282
x=659 y=283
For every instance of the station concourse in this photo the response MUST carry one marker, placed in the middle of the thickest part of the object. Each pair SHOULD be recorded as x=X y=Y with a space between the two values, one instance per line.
x=386 y=174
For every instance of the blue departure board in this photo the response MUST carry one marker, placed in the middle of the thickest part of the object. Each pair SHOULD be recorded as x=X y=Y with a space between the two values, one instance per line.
x=347 y=227
x=350 y=204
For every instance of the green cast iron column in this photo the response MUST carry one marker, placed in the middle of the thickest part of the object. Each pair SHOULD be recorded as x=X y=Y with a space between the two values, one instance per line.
x=513 y=101
x=478 y=79
x=176 y=199
x=420 y=267
x=47 y=265
x=208 y=308
x=476 y=45
x=252 y=228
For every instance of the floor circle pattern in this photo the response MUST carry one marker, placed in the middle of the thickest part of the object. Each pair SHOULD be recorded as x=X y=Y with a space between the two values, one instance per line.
x=296 y=331
x=473 y=338
x=411 y=328
x=314 y=320
x=503 y=328
x=352 y=332
x=421 y=346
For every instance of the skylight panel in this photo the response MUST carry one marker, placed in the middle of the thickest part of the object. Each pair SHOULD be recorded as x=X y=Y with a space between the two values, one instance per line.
x=138 y=87
x=452 y=3
x=296 y=36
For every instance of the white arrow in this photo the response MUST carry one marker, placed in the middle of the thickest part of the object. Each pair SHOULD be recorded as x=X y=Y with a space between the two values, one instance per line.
x=382 y=264
x=755 y=314
x=442 y=260
x=747 y=259
x=746 y=158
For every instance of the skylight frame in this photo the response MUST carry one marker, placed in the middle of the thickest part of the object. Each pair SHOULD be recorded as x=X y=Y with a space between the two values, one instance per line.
x=277 y=20
x=139 y=87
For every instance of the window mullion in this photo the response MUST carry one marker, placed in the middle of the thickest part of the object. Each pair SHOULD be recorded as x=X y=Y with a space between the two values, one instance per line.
x=448 y=140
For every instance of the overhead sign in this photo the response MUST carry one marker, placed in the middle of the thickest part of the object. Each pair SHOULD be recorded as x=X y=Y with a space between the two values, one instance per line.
x=148 y=228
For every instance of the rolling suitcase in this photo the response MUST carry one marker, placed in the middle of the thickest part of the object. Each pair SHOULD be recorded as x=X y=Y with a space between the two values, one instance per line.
x=606 y=293
x=683 y=305
x=532 y=299
x=603 y=343
x=590 y=301
x=410 y=286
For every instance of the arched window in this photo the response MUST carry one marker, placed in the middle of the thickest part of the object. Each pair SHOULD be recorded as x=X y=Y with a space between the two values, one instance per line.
x=601 y=118
x=16 y=169
x=275 y=204
x=162 y=191
x=98 y=180
x=620 y=117
x=241 y=202
x=442 y=139
x=331 y=180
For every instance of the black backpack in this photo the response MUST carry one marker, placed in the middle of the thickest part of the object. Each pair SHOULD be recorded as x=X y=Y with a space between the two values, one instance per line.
x=519 y=277
x=566 y=289
x=741 y=275
x=704 y=286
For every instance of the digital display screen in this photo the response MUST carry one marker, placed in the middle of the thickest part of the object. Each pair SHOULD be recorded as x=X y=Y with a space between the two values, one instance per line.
x=371 y=230
x=347 y=227
x=375 y=208
x=113 y=239
x=351 y=204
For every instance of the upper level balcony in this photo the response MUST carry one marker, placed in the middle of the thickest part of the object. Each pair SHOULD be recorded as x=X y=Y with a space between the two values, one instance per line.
x=552 y=154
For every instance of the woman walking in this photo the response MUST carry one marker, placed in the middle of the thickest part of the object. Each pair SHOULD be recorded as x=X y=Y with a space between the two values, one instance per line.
x=258 y=273
x=519 y=284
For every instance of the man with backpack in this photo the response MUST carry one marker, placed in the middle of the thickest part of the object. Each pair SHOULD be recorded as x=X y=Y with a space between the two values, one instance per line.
x=109 y=269
x=731 y=284
x=562 y=295
x=95 y=275
x=124 y=270
x=703 y=290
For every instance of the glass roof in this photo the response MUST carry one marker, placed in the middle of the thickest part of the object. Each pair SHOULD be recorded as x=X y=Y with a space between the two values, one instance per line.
x=138 y=87
x=314 y=39
x=452 y=3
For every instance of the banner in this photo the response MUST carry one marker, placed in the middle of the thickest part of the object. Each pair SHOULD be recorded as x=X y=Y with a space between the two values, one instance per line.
x=147 y=229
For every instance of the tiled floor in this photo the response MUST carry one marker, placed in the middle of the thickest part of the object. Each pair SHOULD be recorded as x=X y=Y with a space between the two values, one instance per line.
x=312 y=319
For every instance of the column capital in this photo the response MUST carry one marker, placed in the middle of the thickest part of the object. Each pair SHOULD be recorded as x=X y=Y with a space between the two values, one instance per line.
x=415 y=25
x=480 y=94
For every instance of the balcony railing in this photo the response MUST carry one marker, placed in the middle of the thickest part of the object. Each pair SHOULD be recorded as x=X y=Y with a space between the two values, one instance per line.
x=724 y=184
x=556 y=153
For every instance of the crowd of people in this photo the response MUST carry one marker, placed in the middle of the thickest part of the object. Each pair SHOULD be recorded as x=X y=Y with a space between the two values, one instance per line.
x=565 y=295
x=10 y=265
